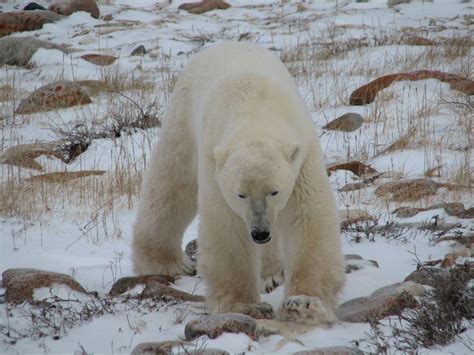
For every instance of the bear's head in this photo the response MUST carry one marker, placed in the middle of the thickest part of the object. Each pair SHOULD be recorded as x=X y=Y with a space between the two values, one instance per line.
x=256 y=180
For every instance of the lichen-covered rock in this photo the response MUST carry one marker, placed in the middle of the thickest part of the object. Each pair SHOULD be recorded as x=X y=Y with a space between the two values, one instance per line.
x=19 y=50
x=408 y=190
x=166 y=347
x=20 y=283
x=386 y=301
x=61 y=94
x=68 y=7
x=215 y=325
x=348 y=122
x=204 y=6
x=125 y=284
x=25 y=21
x=356 y=167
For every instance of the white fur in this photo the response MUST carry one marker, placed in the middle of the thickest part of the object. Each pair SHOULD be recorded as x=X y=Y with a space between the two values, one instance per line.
x=237 y=124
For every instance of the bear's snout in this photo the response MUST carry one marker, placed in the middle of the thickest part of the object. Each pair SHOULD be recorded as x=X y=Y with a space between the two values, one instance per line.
x=260 y=237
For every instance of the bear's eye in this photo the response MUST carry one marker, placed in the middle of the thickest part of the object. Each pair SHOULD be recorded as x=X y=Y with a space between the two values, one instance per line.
x=242 y=195
x=274 y=193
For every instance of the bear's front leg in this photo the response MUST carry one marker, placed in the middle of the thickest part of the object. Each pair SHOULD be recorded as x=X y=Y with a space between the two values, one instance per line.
x=314 y=266
x=228 y=261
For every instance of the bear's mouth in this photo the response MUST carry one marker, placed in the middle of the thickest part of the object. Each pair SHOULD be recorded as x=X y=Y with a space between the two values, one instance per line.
x=260 y=237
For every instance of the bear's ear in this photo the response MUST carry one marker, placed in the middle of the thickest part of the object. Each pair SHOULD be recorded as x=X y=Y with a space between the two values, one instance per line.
x=220 y=156
x=292 y=152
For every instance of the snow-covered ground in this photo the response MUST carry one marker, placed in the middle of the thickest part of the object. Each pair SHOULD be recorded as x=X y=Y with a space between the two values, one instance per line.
x=83 y=228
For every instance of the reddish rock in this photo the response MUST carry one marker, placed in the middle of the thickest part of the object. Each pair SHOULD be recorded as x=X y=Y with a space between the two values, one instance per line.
x=25 y=21
x=125 y=284
x=202 y=7
x=159 y=290
x=367 y=93
x=356 y=167
x=215 y=325
x=20 y=283
x=60 y=94
x=99 y=59
x=68 y=7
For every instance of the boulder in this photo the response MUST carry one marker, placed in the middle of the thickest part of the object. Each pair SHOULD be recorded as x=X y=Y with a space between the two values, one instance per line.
x=68 y=7
x=125 y=284
x=384 y=302
x=140 y=50
x=408 y=190
x=348 y=122
x=25 y=21
x=20 y=283
x=19 y=50
x=99 y=59
x=216 y=324
x=205 y=6
x=61 y=94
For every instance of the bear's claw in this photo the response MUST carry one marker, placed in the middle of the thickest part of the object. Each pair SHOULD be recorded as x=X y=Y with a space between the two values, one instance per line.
x=306 y=309
x=269 y=284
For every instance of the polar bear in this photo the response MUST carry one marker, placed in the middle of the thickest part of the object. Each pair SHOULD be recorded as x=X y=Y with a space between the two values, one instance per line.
x=238 y=146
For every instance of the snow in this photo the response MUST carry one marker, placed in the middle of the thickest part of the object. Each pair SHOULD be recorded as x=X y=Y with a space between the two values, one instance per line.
x=89 y=236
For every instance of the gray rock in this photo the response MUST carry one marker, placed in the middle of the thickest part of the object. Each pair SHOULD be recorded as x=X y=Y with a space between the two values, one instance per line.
x=191 y=250
x=19 y=50
x=33 y=6
x=435 y=277
x=332 y=350
x=348 y=122
x=140 y=50
x=386 y=301
x=156 y=348
x=214 y=325
x=358 y=264
x=406 y=212
x=408 y=190
x=61 y=94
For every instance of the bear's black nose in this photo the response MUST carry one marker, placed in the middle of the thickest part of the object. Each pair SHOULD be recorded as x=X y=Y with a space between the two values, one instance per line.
x=260 y=237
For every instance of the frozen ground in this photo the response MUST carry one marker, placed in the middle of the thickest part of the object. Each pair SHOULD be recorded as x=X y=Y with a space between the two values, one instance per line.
x=83 y=228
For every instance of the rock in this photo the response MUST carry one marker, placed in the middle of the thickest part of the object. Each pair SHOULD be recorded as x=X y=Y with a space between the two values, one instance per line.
x=158 y=348
x=449 y=259
x=61 y=94
x=418 y=41
x=159 y=290
x=125 y=284
x=23 y=155
x=108 y=18
x=452 y=208
x=191 y=249
x=33 y=6
x=406 y=212
x=408 y=190
x=386 y=301
x=469 y=213
x=65 y=176
x=215 y=325
x=68 y=7
x=20 y=283
x=99 y=59
x=140 y=50
x=356 y=167
x=332 y=350
x=25 y=21
x=202 y=7
x=351 y=216
x=166 y=347
x=466 y=240
x=19 y=50
x=367 y=93
x=353 y=187
x=392 y=3
x=348 y=122
x=358 y=264
x=436 y=277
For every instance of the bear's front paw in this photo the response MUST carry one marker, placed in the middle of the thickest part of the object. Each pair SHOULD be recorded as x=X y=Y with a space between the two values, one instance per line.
x=270 y=283
x=255 y=310
x=306 y=309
